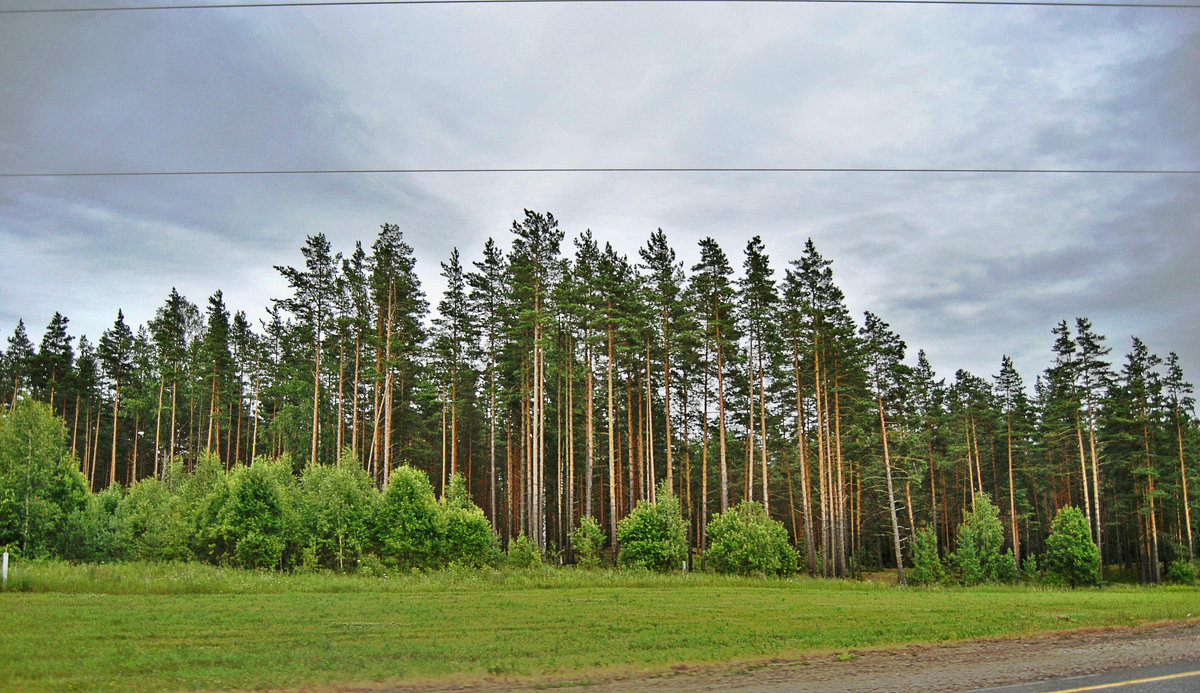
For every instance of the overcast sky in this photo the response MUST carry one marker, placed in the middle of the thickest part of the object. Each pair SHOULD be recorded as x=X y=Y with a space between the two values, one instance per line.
x=968 y=267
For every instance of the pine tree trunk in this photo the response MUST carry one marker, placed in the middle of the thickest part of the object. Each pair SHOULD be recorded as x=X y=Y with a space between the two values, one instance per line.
x=704 y=462
x=75 y=425
x=341 y=402
x=1083 y=476
x=1012 y=499
x=840 y=544
x=1187 y=512
x=492 y=435
x=354 y=407
x=762 y=439
x=589 y=431
x=162 y=381
x=887 y=465
x=112 y=470
x=650 y=431
x=612 y=450
x=667 y=400
x=721 y=421
x=805 y=478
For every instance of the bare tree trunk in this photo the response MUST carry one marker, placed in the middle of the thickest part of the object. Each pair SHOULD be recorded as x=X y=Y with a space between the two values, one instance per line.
x=112 y=470
x=341 y=425
x=841 y=484
x=805 y=492
x=354 y=408
x=721 y=421
x=254 y=411
x=667 y=399
x=1083 y=476
x=762 y=423
x=1187 y=512
x=162 y=380
x=612 y=451
x=704 y=461
x=589 y=426
x=887 y=465
x=650 y=431
x=1012 y=500
x=492 y=436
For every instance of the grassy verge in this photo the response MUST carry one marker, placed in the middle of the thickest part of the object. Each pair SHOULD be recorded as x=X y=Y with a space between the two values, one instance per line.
x=154 y=627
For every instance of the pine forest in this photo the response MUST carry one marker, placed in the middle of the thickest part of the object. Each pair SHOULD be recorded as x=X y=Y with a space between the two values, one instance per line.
x=548 y=380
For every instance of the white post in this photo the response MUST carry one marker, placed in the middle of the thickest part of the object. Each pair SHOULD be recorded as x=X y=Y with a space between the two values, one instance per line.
x=4 y=571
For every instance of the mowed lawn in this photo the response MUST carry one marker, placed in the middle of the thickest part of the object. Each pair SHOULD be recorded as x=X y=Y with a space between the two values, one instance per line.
x=194 y=627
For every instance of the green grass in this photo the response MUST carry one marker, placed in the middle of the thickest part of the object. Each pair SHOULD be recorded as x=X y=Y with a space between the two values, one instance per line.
x=154 y=627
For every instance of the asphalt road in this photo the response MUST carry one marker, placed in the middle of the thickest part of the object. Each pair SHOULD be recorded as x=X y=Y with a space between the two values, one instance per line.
x=1181 y=677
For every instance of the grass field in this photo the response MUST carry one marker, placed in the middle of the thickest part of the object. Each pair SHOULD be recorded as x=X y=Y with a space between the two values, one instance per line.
x=153 y=627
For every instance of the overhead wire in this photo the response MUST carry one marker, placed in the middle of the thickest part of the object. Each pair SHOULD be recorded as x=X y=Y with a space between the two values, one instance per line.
x=380 y=3
x=602 y=169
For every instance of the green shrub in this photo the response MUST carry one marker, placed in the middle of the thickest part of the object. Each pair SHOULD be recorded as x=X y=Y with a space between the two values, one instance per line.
x=745 y=540
x=336 y=507
x=587 y=539
x=255 y=517
x=468 y=539
x=654 y=535
x=40 y=483
x=980 y=536
x=1182 y=572
x=408 y=526
x=1071 y=557
x=927 y=568
x=523 y=553
x=154 y=523
x=96 y=532
x=1032 y=570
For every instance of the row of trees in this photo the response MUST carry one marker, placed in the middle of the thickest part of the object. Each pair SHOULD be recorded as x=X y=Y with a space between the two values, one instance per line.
x=568 y=383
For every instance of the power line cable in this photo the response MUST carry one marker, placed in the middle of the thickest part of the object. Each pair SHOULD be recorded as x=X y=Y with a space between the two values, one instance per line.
x=629 y=169
x=364 y=3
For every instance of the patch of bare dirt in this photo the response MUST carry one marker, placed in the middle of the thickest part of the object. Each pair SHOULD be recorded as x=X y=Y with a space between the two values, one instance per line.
x=939 y=667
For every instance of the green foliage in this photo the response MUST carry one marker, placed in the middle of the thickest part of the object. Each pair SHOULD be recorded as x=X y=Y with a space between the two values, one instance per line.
x=980 y=536
x=40 y=484
x=587 y=539
x=468 y=540
x=95 y=532
x=654 y=535
x=523 y=553
x=337 y=504
x=1182 y=572
x=746 y=541
x=255 y=517
x=927 y=568
x=154 y=523
x=1071 y=557
x=408 y=526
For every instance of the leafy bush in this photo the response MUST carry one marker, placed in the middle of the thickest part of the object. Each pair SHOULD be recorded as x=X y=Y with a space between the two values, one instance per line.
x=1182 y=572
x=95 y=533
x=654 y=535
x=745 y=540
x=927 y=568
x=40 y=483
x=1032 y=571
x=587 y=539
x=469 y=540
x=523 y=553
x=255 y=517
x=336 y=506
x=408 y=526
x=980 y=536
x=154 y=523
x=1071 y=557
